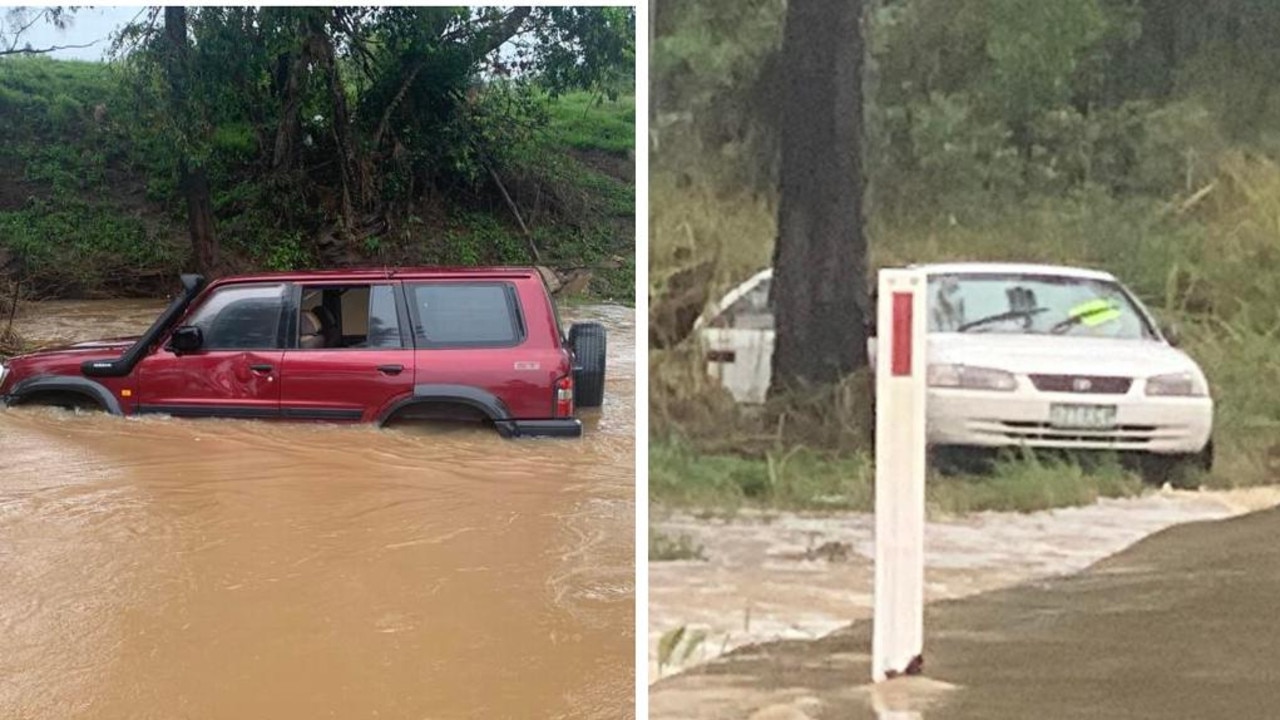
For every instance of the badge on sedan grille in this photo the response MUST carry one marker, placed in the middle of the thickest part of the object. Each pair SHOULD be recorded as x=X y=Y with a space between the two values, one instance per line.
x=1082 y=384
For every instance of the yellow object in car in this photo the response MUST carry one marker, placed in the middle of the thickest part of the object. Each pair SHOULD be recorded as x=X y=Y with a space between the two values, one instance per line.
x=1096 y=312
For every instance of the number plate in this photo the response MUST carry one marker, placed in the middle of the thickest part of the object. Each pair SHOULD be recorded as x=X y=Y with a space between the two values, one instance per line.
x=1083 y=417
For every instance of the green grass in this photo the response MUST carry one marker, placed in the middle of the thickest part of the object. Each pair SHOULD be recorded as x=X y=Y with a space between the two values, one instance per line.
x=78 y=247
x=680 y=476
x=1028 y=485
x=87 y=198
x=803 y=480
x=584 y=121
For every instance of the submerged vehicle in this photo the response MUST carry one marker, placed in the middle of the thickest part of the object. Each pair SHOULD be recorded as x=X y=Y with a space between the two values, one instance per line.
x=374 y=346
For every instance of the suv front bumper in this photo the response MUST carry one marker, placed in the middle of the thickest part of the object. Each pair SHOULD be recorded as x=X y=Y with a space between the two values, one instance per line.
x=564 y=428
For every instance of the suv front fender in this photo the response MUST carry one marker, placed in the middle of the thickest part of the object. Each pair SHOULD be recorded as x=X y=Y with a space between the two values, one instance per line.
x=57 y=383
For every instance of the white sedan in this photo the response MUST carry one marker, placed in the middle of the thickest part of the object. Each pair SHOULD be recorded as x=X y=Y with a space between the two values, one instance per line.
x=1019 y=355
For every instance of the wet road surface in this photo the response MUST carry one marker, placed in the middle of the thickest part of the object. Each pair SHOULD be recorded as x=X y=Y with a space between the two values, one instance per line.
x=1178 y=626
x=159 y=568
x=772 y=576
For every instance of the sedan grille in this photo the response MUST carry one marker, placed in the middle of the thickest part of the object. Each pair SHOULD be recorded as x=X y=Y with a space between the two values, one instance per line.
x=1120 y=437
x=1090 y=384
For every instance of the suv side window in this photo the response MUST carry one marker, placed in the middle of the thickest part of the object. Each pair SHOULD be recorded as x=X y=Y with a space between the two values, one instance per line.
x=242 y=317
x=466 y=314
x=348 y=316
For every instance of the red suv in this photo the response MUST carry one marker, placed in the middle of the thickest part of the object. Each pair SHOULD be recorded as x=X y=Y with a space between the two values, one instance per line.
x=346 y=345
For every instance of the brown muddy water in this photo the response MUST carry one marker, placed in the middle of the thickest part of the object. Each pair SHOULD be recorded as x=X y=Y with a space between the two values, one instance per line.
x=161 y=568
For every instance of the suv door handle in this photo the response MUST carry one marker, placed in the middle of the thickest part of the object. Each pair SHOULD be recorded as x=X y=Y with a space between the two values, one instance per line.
x=390 y=369
x=262 y=368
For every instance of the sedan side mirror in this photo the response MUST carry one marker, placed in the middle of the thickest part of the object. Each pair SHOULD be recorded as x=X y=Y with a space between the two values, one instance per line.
x=186 y=339
x=1172 y=334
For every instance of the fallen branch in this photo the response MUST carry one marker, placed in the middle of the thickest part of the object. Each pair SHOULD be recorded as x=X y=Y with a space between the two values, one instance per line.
x=533 y=248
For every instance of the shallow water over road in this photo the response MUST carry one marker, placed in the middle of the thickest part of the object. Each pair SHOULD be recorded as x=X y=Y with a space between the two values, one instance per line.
x=789 y=576
x=160 y=568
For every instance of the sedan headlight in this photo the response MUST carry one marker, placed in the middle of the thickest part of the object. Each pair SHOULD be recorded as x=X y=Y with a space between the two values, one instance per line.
x=4 y=370
x=970 y=378
x=1183 y=384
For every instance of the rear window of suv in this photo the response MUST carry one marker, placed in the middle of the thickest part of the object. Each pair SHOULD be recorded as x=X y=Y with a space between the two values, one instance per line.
x=473 y=314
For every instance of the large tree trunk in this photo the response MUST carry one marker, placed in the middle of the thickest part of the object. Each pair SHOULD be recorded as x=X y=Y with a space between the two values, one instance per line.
x=193 y=180
x=820 y=267
x=284 y=149
x=204 y=243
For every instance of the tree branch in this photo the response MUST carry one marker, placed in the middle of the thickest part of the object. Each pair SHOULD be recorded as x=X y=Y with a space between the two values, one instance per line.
x=28 y=50
x=492 y=38
x=18 y=32
x=395 y=101
x=533 y=247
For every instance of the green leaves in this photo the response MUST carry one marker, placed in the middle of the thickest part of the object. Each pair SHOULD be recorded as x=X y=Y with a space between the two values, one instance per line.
x=1035 y=48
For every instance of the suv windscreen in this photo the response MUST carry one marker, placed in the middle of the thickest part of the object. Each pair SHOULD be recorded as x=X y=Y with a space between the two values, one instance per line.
x=466 y=314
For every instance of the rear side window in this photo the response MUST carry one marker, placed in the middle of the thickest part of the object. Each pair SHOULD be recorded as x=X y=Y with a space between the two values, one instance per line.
x=466 y=314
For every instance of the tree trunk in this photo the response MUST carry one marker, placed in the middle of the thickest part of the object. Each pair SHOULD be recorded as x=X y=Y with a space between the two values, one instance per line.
x=193 y=180
x=288 y=129
x=820 y=266
x=204 y=243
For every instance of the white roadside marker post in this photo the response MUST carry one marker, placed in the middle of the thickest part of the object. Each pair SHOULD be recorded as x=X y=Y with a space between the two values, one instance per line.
x=901 y=367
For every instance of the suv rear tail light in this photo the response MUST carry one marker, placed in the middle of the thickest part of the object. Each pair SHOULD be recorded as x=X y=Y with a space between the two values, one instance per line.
x=564 y=397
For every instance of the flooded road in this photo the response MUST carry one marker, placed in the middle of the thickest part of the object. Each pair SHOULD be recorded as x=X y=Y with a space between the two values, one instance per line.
x=1179 y=625
x=158 y=568
x=789 y=576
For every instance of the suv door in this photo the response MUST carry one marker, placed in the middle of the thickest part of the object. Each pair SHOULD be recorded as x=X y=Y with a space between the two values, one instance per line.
x=349 y=354
x=234 y=373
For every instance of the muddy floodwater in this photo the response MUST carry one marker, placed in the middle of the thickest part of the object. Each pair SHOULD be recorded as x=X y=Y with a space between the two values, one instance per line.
x=1179 y=625
x=160 y=568
x=790 y=577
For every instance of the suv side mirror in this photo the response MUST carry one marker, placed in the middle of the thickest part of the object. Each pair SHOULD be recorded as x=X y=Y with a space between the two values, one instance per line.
x=186 y=339
x=1172 y=333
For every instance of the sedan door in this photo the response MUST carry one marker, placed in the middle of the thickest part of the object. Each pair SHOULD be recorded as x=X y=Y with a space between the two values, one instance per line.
x=739 y=342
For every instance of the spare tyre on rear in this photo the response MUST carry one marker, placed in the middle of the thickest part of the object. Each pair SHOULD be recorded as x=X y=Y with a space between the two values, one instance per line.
x=587 y=340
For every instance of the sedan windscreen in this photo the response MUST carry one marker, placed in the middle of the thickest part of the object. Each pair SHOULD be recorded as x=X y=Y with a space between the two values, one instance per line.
x=1034 y=304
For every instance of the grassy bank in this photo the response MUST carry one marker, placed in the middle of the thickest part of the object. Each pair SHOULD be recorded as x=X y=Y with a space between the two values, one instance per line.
x=1206 y=260
x=90 y=205
x=804 y=480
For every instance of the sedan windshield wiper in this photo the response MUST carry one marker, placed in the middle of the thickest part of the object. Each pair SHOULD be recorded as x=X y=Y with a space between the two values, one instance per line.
x=1010 y=315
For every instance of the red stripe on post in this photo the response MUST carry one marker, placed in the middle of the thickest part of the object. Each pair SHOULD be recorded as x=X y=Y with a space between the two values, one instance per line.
x=902 y=304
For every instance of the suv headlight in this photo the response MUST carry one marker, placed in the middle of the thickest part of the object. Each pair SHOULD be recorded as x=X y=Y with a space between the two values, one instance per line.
x=971 y=378
x=1183 y=384
x=4 y=370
